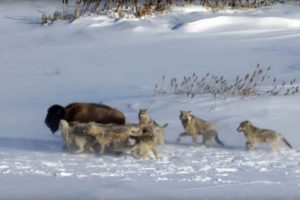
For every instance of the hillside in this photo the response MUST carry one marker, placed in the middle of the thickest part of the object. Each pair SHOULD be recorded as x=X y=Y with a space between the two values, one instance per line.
x=119 y=62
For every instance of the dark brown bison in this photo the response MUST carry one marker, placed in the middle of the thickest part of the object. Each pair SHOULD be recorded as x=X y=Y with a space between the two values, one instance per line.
x=83 y=112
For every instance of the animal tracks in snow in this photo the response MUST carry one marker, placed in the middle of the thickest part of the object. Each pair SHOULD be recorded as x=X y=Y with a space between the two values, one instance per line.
x=200 y=165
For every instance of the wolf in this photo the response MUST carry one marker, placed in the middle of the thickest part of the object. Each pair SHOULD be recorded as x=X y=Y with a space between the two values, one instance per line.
x=195 y=126
x=124 y=147
x=145 y=144
x=107 y=134
x=75 y=137
x=256 y=135
x=144 y=119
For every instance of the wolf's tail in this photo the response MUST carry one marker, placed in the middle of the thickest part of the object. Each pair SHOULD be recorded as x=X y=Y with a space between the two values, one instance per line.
x=165 y=125
x=286 y=142
x=218 y=140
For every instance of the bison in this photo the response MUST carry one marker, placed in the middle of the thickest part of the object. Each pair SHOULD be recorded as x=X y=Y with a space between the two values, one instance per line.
x=83 y=112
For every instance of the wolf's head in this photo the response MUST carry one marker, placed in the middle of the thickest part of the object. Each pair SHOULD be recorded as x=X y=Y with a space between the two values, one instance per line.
x=144 y=115
x=185 y=117
x=244 y=126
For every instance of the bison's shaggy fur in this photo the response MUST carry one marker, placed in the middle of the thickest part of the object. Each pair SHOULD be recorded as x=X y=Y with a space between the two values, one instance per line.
x=83 y=112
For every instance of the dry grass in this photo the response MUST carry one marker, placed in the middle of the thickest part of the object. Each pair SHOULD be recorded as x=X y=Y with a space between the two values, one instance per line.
x=56 y=16
x=140 y=8
x=256 y=83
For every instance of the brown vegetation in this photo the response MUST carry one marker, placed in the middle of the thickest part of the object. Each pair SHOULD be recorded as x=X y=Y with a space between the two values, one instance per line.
x=258 y=82
x=141 y=8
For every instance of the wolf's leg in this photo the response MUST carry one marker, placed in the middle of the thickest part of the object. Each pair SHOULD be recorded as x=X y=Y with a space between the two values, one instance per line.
x=80 y=145
x=249 y=145
x=275 y=146
x=140 y=152
x=135 y=152
x=154 y=152
x=78 y=151
x=90 y=148
x=160 y=138
x=144 y=151
x=207 y=139
x=194 y=139
x=102 y=148
x=101 y=143
x=184 y=134
x=65 y=147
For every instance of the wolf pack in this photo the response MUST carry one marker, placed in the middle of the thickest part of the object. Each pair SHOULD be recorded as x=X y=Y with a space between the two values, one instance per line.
x=98 y=128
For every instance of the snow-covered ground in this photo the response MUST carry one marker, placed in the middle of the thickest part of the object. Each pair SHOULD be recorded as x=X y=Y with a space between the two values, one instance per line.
x=118 y=62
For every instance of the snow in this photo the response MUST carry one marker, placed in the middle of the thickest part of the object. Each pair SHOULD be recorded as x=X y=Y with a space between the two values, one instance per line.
x=118 y=62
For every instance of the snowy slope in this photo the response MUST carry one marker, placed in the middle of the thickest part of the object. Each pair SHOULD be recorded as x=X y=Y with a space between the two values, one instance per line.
x=118 y=62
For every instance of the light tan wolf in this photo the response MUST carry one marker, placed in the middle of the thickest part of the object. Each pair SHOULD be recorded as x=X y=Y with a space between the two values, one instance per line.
x=256 y=135
x=144 y=119
x=108 y=134
x=195 y=126
x=75 y=138
x=145 y=144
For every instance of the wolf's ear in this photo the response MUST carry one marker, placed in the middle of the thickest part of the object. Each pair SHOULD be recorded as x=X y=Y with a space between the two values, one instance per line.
x=190 y=112
x=247 y=122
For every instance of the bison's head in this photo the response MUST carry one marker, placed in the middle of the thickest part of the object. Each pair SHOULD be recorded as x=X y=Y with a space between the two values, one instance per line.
x=54 y=115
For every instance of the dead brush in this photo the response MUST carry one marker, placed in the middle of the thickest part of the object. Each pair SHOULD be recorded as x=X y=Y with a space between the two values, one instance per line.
x=256 y=83
x=141 y=8
x=160 y=7
x=57 y=16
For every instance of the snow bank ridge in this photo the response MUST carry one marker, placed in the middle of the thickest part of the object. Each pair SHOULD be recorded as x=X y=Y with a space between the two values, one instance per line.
x=233 y=23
